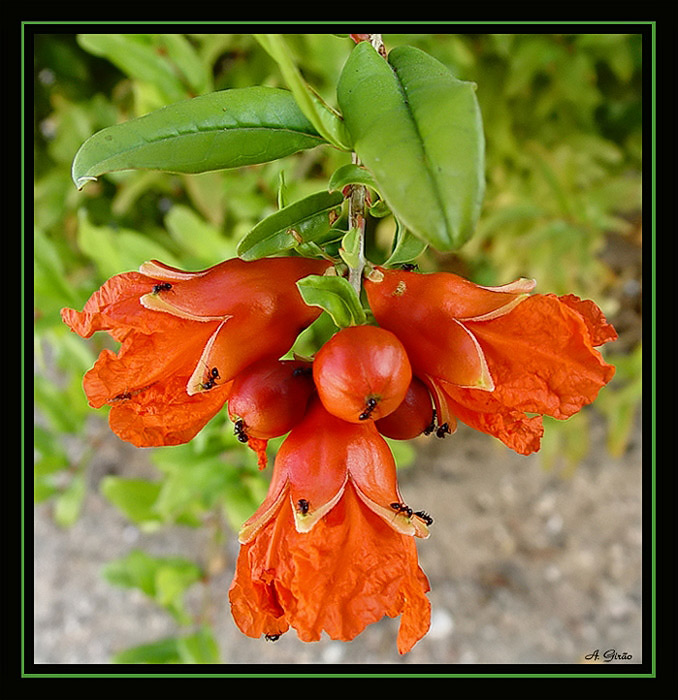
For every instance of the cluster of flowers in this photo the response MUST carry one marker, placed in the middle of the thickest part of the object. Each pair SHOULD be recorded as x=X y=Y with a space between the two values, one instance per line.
x=332 y=546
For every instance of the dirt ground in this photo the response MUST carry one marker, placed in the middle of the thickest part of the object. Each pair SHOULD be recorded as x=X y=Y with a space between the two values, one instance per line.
x=526 y=566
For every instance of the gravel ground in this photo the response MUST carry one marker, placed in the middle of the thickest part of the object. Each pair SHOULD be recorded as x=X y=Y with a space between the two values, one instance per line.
x=527 y=566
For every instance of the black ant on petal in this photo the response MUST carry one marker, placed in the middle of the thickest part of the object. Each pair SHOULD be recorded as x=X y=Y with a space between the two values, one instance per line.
x=423 y=515
x=402 y=508
x=211 y=380
x=303 y=506
x=161 y=287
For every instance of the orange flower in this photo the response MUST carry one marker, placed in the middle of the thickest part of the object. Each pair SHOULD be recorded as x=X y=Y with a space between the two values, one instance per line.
x=329 y=549
x=184 y=337
x=491 y=355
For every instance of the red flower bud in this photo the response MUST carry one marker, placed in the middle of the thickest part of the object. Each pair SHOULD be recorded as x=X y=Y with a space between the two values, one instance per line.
x=269 y=397
x=412 y=417
x=362 y=373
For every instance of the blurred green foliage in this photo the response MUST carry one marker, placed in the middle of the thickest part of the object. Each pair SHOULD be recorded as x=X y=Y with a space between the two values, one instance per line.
x=562 y=119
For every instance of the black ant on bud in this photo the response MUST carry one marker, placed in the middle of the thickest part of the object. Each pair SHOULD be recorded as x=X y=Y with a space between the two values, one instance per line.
x=371 y=405
x=239 y=430
x=299 y=371
x=443 y=430
x=162 y=287
x=303 y=506
x=423 y=515
x=409 y=267
x=432 y=425
x=402 y=508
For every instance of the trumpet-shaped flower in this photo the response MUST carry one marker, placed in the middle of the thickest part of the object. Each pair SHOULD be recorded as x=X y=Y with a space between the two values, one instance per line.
x=493 y=355
x=184 y=337
x=329 y=548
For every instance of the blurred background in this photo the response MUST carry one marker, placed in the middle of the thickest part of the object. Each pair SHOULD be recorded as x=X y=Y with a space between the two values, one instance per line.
x=531 y=559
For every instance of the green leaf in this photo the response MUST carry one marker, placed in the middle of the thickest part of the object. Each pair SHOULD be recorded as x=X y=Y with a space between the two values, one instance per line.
x=351 y=248
x=134 y=497
x=418 y=130
x=163 y=579
x=326 y=122
x=351 y=174
x=197 y=237
x=181 y=53
x=115 y=250
x=306 y=220
x=199 y=648
x=164 y=651
x=138 y=59
x=225 y=129
x=334 y=295
x=407 y=247
x=68 y=504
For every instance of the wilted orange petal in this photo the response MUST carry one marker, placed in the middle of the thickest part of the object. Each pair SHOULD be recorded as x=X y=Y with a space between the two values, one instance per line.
x=541 y=358
x=163 y=414
x=481 y=410
x=349 y=571
x=115 y=308
x=600 y=330
x=143 y=360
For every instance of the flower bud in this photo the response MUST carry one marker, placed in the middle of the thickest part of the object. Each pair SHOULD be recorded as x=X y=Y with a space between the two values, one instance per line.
x=269 y=397
x=362 y=373
x=412 y=417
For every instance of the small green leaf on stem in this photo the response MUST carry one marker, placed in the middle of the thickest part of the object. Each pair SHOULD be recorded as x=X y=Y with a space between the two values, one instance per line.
x=336 y=296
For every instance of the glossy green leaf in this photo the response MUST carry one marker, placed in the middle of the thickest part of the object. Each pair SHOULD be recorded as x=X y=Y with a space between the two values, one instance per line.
x=351 y=174
x=325 y=120
x=336 y=296
x=406 y=247
x=351 y=248
x=225 y=129
x=418 y=130
x=306 y=220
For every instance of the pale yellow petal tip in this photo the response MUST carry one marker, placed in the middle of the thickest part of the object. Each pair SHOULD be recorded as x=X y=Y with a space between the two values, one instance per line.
x=156 y=302
x=158 y=270
x=305 y=518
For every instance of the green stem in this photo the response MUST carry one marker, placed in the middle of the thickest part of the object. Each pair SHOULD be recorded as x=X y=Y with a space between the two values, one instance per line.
x=356 y=203
x=356 y=220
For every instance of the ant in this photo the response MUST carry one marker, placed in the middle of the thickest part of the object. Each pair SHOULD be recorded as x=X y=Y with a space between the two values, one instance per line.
x=409 y=267
x=402 y=508
x=271 y=637
x=303 y=506
x=162 y=287
x=432 y=425
x=239 y=430
x=443 y=430
x=121 y=397
x=211 y=380
x=299 y=371
x=423 y=515
x=371 y=405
